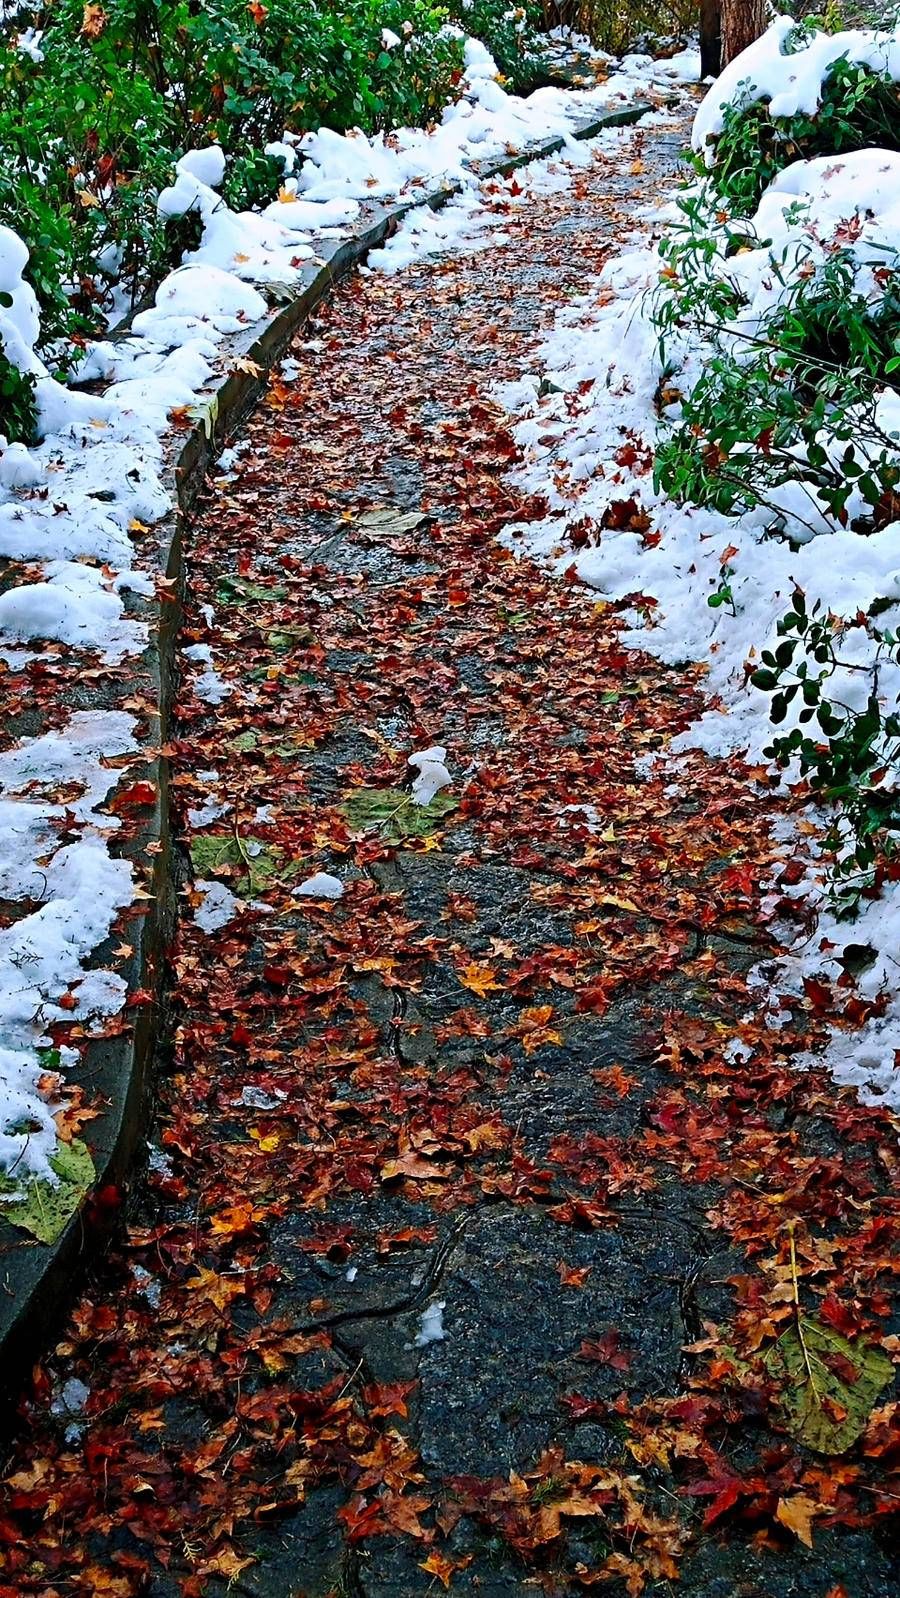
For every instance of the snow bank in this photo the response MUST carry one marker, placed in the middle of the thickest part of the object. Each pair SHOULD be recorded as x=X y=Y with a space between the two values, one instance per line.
x=73 y=892
x=588 y=447
x=483 y=124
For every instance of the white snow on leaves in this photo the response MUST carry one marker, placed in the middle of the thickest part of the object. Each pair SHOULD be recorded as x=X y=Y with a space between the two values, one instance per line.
x=589 y=443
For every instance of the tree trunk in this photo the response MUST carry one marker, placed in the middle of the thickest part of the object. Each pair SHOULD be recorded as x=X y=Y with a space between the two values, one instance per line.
x=710 y=38
x=742 y=22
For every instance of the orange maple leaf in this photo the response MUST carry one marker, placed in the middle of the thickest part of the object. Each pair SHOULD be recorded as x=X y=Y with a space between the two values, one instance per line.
x=478 y=979
x=797 y=1514
x=439 y=1565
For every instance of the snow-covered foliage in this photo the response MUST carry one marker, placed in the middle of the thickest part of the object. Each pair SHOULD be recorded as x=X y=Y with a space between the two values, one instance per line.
x=798 y=91
x=787 y=69
x=716 y=429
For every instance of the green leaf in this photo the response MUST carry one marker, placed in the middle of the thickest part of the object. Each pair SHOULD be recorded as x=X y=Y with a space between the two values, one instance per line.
x=238 y=591
x=244 y=742
x=209 y=853
x=259 y=871
x=828 y=1410
x=42 y=1208
x=392 y=812
x=388 y=523
x=289 y=638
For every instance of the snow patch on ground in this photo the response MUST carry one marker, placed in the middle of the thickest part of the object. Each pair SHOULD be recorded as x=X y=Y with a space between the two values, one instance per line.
x=218 y=906
x=431 y=774
x=431 y=1326
x=71 y=893
x=321 y=886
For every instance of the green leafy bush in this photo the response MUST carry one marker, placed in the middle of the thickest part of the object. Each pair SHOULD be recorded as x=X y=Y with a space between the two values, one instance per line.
x=89 y=134
x=785 y=413
x=767 y=399
x=510 y=33
x=251 y=71
x=859 y=109
x=843 y=750
x=83 y=153
x=18 y=410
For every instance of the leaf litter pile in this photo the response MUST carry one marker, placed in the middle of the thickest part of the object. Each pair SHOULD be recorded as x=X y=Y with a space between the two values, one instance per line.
x=471 y=1255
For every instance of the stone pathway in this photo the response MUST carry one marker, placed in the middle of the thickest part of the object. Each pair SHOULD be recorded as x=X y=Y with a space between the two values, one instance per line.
x=451 y=1182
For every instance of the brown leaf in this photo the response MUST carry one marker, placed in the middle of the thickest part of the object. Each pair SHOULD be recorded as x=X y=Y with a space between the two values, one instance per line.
x=93 y=21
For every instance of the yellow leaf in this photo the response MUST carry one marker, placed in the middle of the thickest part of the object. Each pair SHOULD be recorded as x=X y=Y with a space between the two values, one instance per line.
x=244 y=364
x=478 y=979
x=618 y=902
x=225 y=1563
x=103 y=1584
x=538 y=1015
x=797 y=1514
x=267 y=1141
x=235 y=1218
x=220 y=1290
x=439 y=1565
x=486 y=1136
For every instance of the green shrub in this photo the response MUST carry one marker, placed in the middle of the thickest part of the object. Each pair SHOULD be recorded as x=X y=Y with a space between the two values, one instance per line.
x=841 y=750
x=510 y=33
x=859 y=109
x=83 y=152
x=618 y=25
x=303 y=65
x=18 y=407
x=251 y=180
x=89 y=135
x=786 y=400
x=765 y=401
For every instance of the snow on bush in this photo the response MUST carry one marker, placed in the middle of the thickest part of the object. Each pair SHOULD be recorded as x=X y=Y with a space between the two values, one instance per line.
x=797 y=91
x=720 y=452
x=788 y=68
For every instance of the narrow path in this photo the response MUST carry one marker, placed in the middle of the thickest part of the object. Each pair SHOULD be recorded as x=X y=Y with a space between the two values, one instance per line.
x=453 y=1177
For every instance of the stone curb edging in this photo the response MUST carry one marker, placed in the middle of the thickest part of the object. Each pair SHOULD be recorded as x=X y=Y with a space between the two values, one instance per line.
x=35 y=1278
